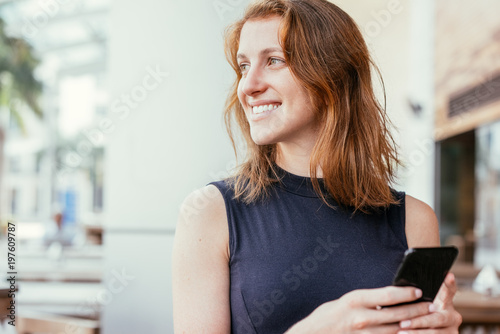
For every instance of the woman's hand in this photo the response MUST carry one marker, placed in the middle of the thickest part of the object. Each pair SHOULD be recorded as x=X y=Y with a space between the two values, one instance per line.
x=443 y=319
x=360 y=311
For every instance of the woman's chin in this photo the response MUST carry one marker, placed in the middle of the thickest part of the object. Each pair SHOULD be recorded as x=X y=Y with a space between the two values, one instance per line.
x=263 y=140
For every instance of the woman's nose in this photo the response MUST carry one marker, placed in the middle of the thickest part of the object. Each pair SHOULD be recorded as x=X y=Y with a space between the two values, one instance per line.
x=254 y=82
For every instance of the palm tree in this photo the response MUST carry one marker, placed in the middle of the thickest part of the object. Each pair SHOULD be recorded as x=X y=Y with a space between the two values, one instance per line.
x=18 y=87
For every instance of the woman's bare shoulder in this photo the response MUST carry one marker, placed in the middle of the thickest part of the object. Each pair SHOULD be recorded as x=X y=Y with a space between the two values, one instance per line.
x=202 y=204
x=202 y=217
x=422 y=228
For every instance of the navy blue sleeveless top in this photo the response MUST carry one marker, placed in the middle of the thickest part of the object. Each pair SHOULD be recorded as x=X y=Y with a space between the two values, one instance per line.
x=292 y=252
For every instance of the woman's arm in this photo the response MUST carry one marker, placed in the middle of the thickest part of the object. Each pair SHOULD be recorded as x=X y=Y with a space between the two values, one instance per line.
x=422 y=230
x=200 y=270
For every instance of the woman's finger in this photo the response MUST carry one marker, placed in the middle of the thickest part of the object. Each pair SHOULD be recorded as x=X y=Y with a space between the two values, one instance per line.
x=400 y=313
x=385 y=329
x=433 y=320
x=447 y=291
x=424 y=331
x=387 y=296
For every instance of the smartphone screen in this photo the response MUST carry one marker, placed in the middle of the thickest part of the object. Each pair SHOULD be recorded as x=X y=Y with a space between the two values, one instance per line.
x=426 y=269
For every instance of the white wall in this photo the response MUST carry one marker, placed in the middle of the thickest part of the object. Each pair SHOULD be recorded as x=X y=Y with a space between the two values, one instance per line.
x=419 y=177
x=171 y=143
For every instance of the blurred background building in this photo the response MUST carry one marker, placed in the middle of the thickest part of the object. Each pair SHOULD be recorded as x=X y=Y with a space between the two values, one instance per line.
x=131 y=96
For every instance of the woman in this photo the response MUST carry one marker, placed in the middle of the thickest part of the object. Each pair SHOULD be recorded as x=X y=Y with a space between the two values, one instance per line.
x=307 y=235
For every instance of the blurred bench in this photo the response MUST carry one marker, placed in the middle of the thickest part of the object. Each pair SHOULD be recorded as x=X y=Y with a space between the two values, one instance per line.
x=59 y=296
x=38 y=322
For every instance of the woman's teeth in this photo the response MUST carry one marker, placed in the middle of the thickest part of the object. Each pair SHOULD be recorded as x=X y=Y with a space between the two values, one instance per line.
x=261 y=109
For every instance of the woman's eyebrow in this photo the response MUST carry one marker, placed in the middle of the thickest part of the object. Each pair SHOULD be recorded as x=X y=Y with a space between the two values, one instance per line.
x=263 y=52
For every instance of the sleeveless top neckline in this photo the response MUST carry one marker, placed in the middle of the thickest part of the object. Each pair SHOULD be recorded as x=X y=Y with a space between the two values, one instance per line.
x=298 y=185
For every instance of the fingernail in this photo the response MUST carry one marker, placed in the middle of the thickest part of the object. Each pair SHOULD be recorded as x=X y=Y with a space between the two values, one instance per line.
x=403 y=332
x=432 y=308
x=418 y=293
x=405 y=324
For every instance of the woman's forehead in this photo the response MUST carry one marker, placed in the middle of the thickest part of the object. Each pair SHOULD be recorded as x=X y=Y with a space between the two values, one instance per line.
x=259 y=34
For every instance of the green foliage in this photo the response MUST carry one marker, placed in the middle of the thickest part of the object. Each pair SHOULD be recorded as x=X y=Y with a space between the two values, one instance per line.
x=18 y=85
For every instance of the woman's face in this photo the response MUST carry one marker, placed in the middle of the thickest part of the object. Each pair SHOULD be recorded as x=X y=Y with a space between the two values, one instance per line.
x=276 y=105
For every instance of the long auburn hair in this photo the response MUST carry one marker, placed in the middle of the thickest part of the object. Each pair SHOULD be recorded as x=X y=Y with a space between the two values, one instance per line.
x=327 y=54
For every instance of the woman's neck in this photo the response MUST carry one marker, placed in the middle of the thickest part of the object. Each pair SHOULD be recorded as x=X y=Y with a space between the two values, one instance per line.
x=296 y=159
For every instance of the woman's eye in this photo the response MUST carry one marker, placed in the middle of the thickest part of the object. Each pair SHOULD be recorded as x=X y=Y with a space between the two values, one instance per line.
x=244 y=67
x=275 y=61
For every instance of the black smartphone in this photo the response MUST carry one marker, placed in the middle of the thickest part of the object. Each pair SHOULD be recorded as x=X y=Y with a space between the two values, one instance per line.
x=426 y=269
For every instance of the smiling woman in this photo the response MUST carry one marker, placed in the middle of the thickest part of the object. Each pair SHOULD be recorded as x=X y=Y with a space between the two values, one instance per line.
x=307 y=235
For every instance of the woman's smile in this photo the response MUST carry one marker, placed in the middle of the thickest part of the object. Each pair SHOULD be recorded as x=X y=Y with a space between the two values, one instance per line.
x=261 y=110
